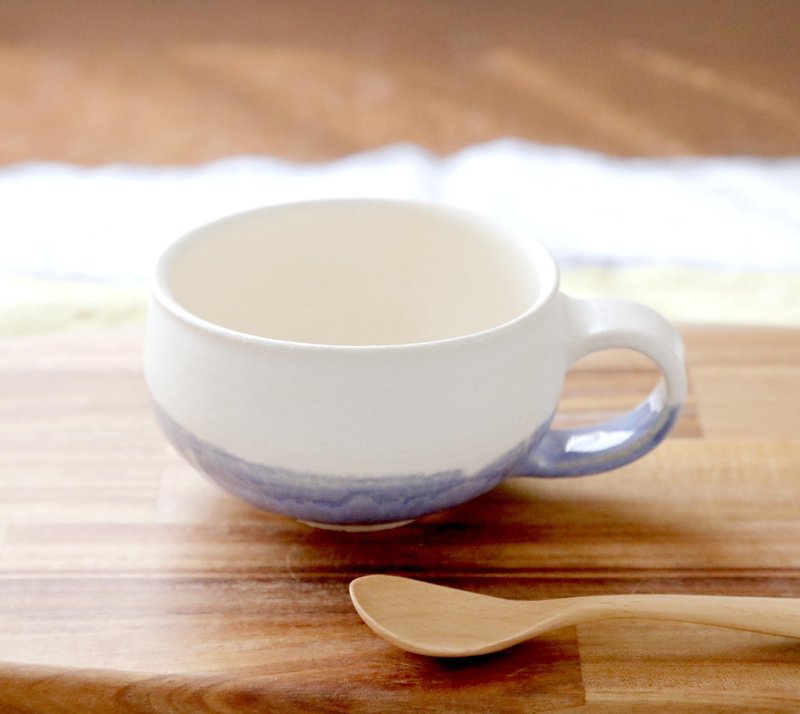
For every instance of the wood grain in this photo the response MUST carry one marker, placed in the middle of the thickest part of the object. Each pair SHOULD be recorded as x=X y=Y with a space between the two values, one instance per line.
x=127 y=582
x=175 y=82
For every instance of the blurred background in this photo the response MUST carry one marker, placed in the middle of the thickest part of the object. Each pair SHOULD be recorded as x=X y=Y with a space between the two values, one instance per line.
x=654 y=146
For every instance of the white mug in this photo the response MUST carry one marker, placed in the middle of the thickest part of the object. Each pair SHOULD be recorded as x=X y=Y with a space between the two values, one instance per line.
x=360 y=363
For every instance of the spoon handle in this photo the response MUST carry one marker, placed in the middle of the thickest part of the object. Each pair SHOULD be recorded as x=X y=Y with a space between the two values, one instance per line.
x=768 y=615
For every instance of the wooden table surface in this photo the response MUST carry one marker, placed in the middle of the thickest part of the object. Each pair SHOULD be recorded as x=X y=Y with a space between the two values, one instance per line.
x=129 y=583
x=177 y=82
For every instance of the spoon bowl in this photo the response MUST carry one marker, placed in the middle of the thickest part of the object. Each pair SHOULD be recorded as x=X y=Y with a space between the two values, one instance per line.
x=438 y=621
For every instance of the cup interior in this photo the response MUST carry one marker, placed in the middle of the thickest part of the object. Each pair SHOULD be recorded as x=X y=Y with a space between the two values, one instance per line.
x=351 y=273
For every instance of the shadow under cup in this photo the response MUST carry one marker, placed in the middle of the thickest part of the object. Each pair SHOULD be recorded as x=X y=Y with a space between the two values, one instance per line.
x=359 y=363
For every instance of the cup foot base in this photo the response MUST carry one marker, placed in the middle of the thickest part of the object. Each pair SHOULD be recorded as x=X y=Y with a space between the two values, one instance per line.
x=354 y=527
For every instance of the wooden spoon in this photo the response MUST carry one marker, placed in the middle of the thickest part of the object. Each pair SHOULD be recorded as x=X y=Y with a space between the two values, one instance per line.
x=444 y=622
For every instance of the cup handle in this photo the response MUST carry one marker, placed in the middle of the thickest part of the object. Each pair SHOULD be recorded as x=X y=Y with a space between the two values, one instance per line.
x=594 y=325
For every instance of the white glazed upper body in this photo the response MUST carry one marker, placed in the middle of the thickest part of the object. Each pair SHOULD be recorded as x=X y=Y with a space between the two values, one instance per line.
x=365 y=409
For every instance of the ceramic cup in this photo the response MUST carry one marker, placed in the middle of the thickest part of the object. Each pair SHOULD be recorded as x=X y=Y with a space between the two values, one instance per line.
x=360 y=363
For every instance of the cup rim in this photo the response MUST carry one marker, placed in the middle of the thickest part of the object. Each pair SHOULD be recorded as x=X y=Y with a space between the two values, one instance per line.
x=542 y=262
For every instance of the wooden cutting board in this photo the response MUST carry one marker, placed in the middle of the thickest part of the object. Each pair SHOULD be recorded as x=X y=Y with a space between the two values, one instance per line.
x=128 y=583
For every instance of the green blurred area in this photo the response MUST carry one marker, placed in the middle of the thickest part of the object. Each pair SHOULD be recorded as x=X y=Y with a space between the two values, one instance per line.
x=32 y=305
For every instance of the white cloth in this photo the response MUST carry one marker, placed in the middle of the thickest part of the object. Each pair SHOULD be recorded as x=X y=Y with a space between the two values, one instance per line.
x=110 y=223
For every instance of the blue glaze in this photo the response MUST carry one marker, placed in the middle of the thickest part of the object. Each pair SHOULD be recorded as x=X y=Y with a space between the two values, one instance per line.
x=340 y=500
x=602 y=447
x=365 y=500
